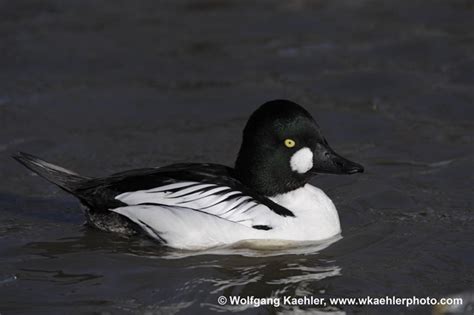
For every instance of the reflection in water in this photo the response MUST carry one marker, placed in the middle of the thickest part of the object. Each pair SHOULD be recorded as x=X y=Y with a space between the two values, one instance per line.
x=309 y=273
x=139 y=266
x=93 y=240
x=244 y=269
x=194 y=280
x=259 y=248
x=274 y=280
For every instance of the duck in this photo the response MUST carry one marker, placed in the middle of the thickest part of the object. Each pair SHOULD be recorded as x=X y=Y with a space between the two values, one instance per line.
x=265 y=196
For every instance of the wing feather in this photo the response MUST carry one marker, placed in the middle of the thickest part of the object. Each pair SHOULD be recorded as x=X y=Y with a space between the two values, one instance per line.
x=221 y=201
x=190 y=184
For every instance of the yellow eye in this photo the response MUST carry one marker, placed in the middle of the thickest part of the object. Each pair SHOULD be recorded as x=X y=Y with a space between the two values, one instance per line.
x=290 y=143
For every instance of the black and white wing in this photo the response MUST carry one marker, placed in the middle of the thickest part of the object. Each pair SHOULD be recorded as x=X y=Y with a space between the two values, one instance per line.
x=220 y=201
x=205 y=188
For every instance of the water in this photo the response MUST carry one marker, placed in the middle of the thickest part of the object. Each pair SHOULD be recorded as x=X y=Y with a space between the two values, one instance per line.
x=101 y=87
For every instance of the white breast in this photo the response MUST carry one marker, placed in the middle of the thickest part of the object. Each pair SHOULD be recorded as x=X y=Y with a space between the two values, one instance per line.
x=316 y=216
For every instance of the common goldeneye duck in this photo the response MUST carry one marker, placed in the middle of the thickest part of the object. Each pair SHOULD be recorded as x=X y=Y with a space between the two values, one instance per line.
x=191 y=206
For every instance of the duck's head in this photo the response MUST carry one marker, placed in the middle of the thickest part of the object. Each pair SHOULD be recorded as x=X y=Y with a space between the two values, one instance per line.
x=282 y=148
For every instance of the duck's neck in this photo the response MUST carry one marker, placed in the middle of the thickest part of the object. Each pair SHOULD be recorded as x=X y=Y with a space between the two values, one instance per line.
x=263 y=174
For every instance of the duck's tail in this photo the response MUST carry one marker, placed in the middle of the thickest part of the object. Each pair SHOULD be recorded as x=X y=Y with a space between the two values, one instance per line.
x=65 y=179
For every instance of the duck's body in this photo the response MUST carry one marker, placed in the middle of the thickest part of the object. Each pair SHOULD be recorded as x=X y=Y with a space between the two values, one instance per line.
x=314 y=218
x=266 y=196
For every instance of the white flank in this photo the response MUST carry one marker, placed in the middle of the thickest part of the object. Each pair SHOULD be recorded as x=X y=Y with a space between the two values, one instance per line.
x=202 y=220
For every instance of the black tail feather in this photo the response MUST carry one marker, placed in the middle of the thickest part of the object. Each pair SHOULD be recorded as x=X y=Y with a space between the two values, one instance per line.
x=65 y=179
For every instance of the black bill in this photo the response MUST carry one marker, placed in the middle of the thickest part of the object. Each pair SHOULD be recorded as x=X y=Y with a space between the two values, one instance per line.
x=325 y=160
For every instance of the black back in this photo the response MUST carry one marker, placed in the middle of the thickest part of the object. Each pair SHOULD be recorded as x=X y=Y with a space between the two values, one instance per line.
x=99 y=194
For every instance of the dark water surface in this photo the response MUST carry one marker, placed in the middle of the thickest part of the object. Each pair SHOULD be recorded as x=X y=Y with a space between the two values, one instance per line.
x=104 y=86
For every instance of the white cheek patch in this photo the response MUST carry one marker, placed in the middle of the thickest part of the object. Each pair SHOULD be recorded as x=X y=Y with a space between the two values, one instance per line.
x=302 y=160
